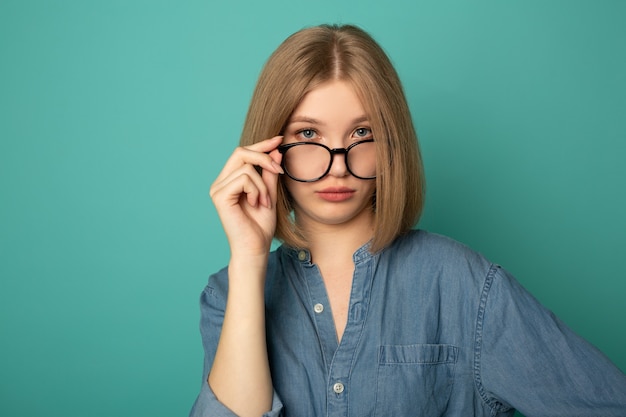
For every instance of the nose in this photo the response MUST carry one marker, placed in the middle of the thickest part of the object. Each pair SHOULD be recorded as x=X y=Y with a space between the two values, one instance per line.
x=338 y=166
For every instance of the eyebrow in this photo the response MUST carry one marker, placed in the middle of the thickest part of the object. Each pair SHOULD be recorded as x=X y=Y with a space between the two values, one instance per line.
x=313 y=121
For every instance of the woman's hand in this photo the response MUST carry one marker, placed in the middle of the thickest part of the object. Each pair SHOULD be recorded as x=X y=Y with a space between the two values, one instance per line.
x=246 y=203
x=246 y=200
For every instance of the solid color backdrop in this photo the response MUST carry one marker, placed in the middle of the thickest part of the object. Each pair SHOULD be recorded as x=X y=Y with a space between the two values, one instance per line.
x=115 y=116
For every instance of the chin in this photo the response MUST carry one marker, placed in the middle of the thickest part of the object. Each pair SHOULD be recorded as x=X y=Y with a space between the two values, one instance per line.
x=337 y=216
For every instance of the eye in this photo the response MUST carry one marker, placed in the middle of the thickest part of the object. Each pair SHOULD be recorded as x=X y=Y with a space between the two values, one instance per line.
x=307 y=133
x=362 y=132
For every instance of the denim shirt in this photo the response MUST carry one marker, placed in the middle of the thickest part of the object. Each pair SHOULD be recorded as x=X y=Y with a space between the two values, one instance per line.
x=433 y=329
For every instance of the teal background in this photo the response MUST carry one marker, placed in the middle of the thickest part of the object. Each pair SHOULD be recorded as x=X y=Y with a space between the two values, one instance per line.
x=116 y=116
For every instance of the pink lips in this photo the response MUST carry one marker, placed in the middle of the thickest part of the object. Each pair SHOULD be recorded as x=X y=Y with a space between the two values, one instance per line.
x=336 y=193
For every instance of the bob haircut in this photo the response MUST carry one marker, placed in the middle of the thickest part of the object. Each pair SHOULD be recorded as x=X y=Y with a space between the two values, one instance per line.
x=314 y=56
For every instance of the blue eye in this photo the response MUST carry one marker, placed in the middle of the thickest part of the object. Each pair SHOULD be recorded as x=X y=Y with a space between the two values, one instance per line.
x=362 y=132
x=307 y=133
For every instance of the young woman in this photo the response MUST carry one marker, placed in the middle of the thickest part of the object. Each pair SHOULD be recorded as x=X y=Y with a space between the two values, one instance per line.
x=356 y=314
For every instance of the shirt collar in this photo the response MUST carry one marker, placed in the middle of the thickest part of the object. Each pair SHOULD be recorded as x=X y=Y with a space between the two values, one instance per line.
x=303 y=255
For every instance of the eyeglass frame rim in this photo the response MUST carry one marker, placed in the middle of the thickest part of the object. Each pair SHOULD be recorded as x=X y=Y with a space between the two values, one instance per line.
x=333 y=151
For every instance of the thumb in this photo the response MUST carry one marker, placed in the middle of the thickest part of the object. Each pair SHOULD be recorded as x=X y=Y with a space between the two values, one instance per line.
x=271 y=179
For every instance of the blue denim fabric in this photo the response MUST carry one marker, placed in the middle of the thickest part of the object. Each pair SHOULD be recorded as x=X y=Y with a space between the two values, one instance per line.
x=433 y=329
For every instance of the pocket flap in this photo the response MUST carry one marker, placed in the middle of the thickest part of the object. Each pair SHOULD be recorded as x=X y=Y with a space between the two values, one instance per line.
x=426 y=354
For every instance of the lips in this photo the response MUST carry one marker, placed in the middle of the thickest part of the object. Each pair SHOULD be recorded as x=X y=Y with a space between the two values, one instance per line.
x=336 y=193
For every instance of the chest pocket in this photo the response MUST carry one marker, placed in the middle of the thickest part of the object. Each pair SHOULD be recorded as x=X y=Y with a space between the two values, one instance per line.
x=414 y=380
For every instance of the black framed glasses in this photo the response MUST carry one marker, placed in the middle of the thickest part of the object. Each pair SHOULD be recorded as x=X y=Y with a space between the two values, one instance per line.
x=311 y=161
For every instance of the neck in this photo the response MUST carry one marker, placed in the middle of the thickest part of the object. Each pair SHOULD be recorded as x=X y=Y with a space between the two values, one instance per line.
x=332 y=244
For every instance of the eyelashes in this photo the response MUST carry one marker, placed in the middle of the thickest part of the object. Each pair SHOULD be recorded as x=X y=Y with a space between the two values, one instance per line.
x=310 y=133
x=307 y=134
x=363 y=132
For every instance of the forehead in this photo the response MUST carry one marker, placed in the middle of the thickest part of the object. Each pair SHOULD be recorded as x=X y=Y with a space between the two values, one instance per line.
x=334 y=102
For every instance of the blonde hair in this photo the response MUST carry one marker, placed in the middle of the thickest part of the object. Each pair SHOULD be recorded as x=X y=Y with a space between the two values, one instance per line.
x=313 y=56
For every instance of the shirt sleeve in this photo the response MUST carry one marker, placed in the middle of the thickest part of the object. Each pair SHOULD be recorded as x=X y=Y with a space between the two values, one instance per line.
x=212 y=307
x=528 y=359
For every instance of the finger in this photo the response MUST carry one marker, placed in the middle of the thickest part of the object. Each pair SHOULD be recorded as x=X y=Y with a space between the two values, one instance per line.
x=245 y=180
x=276 y=156
x=266 y=145
x=271 y=179
x=241 y=191
x=254 y=155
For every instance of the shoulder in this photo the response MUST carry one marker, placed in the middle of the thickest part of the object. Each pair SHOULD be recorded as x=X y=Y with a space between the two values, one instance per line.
x=426 y=245
x=422 y=250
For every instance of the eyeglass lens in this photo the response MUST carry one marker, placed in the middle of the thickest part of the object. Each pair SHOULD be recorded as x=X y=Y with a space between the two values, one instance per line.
x=311 y=161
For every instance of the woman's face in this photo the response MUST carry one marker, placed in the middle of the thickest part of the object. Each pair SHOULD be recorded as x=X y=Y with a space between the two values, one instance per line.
x=331 y=115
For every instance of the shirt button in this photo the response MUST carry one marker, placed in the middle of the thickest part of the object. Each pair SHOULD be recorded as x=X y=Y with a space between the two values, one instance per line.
x=318 y=308
x=338 y=388
x=302 y=255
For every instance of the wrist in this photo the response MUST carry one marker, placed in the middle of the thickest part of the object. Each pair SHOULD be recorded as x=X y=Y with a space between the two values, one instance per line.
x=247 y=269
x=243 y=259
